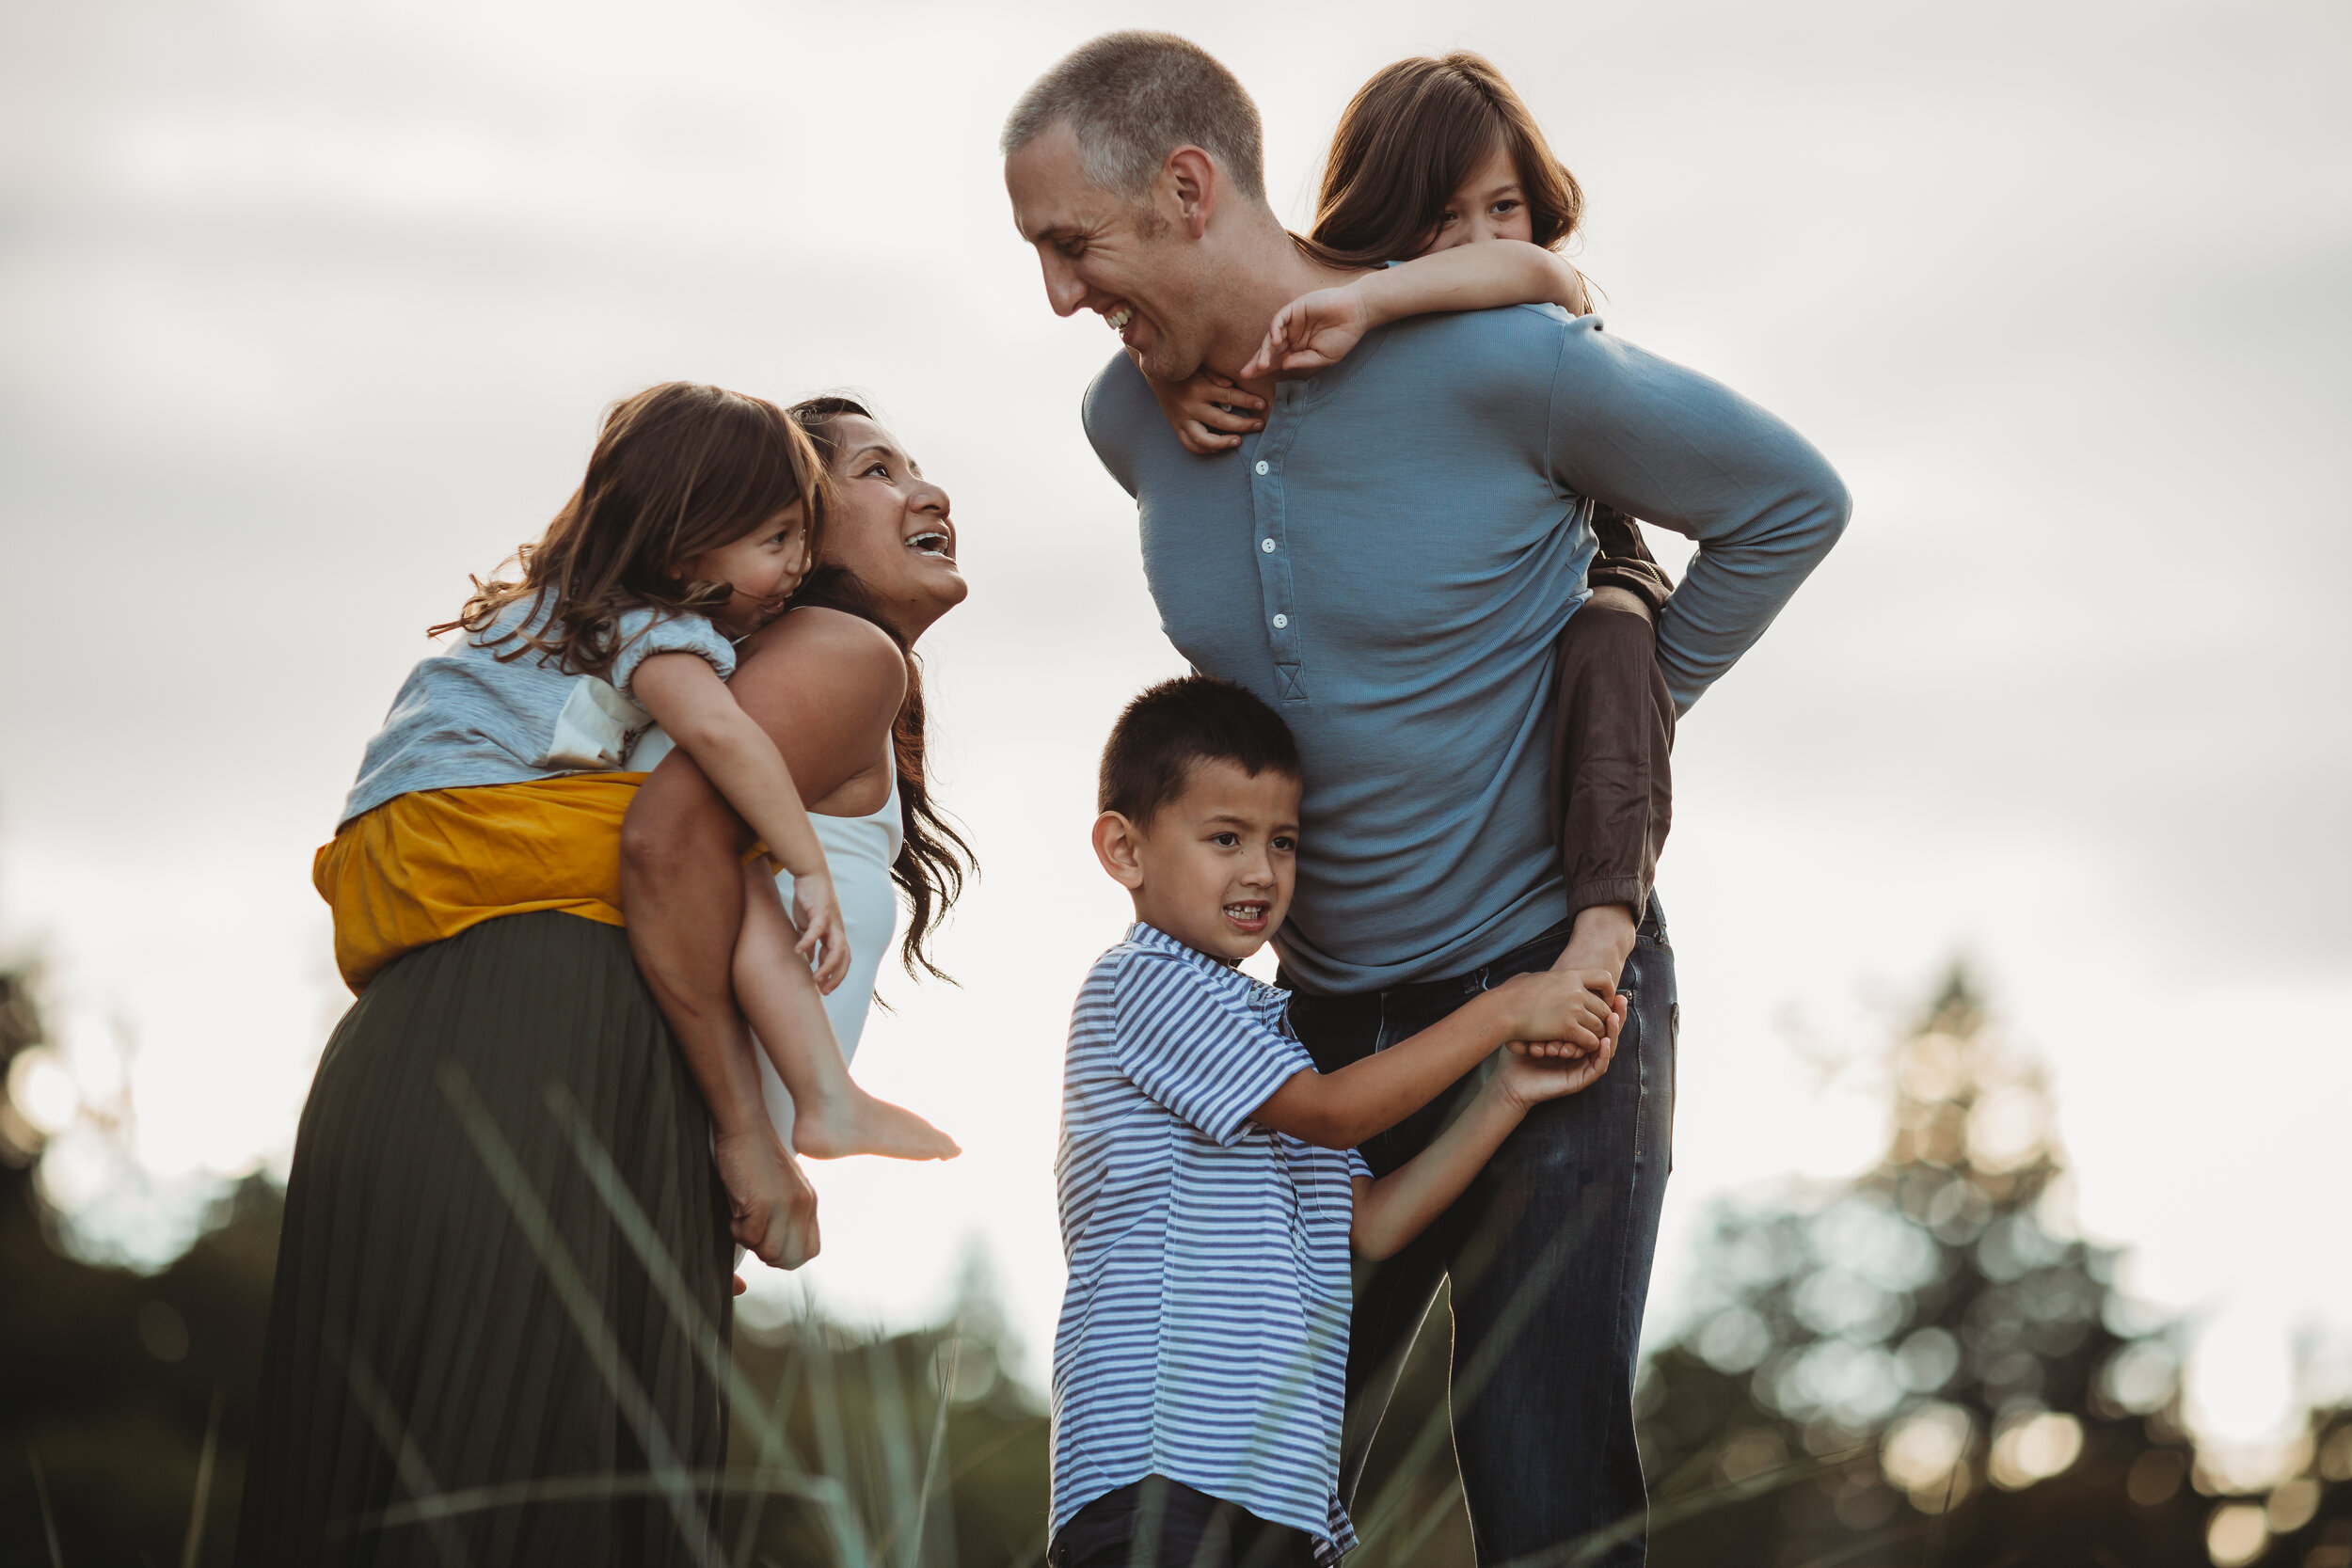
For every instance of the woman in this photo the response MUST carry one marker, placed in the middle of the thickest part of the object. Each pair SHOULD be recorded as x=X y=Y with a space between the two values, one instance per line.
x=853 y=738
x=501 y=1300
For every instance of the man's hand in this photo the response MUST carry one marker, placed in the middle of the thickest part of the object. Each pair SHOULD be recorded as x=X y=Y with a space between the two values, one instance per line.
x=1313 y=332
x=772 y=1209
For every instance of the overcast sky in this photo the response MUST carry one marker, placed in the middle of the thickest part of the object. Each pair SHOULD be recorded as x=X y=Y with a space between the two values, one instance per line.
x=306 y=311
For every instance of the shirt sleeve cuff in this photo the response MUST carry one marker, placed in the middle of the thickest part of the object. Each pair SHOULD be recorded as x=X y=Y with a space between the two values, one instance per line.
x=1628 y=891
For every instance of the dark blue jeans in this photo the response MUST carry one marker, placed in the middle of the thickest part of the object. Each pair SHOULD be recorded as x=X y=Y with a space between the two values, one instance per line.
x=1550 y=1256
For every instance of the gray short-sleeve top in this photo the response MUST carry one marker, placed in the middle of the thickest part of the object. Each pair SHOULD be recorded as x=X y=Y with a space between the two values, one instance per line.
x=465 y=717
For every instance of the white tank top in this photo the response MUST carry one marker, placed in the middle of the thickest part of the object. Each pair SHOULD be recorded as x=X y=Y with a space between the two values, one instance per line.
x=860 y=849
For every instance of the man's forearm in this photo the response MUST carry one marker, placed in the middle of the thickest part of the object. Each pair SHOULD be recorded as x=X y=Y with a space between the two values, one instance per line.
x=1673 y=448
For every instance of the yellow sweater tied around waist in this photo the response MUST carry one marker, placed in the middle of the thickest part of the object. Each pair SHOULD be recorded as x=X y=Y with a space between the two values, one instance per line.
x=422 y=867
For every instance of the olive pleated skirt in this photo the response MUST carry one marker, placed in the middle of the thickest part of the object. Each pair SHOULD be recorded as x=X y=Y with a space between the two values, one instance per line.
x=471 y=1362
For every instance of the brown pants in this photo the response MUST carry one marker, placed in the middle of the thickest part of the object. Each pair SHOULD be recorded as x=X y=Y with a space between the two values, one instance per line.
x=1612 y=732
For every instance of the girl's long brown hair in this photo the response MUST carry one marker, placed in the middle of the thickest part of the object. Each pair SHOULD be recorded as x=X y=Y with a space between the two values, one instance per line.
x=1405 y=145
x=935 y=860
x=679 y=469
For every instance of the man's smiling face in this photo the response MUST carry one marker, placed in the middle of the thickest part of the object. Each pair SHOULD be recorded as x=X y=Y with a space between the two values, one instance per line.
x=1116 y=256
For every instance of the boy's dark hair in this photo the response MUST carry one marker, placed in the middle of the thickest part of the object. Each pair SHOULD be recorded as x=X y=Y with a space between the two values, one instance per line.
x=1148 y=759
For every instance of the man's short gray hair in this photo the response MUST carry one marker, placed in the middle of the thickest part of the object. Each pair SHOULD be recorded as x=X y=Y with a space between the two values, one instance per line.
x=1134 y=97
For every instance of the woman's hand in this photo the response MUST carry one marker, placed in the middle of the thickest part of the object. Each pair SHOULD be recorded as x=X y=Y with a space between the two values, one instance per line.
x=824 y=947
x=1209 y=413
x=771 y=1207
x=1314 y=332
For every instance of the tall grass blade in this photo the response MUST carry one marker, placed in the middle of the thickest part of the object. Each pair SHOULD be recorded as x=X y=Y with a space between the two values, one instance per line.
x=939 y=1429
x=587 y=1488
x=409 y=1461
x=48 y=1517
x=748 y=1535
x=637 y=1228
x=894 y=1435
x=194 y=1542
x=580 y=1304
x=1468 y=1381
x=833 y=1448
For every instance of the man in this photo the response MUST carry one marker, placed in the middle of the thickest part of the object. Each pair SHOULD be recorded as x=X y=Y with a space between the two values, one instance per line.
x=1390 y=562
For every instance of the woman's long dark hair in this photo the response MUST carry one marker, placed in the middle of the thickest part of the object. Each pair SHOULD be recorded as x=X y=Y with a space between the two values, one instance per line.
x=1407 y=142
x=935 y=860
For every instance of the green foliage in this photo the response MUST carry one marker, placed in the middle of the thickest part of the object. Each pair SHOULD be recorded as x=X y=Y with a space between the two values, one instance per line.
x=1924 y=1365
x=1921 y=1365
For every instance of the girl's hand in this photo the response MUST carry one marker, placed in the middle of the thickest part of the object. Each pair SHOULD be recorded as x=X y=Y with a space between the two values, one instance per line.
x=1313 y=332
x=1527 y=1078
x=824 y=947
x=1209 y=413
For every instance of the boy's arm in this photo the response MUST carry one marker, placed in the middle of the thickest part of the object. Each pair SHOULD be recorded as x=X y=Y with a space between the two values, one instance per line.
x=1342 y=1109
x=1316 y=330
x=1395 y=1208
x=693 y=704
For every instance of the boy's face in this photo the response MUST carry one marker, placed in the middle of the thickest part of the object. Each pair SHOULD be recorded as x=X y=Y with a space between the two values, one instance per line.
x=1215 y=868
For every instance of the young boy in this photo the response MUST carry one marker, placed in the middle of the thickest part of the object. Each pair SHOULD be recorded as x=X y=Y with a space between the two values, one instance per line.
x=1210 y=1192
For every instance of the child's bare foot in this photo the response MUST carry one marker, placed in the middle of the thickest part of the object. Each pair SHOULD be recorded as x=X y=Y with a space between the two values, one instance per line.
x=857 y=1123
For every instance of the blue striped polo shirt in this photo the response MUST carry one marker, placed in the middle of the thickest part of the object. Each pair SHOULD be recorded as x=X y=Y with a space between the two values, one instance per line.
x=1203 y=1334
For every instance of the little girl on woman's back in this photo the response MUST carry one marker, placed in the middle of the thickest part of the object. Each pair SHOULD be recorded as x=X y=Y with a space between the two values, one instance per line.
x=699 y=515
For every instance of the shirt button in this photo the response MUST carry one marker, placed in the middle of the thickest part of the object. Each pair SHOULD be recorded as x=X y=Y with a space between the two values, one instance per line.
x=1262 y=464
x=1266 y=545
x=1282 y=621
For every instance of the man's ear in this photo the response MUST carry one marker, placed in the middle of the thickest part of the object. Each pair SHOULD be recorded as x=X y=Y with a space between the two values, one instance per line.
x=1118 y=843
x=1191 y=177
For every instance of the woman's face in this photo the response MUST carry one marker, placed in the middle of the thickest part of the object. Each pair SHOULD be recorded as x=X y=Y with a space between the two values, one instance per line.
x=889 y=527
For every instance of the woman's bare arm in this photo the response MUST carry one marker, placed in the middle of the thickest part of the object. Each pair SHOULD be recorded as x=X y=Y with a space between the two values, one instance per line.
x=825 y=687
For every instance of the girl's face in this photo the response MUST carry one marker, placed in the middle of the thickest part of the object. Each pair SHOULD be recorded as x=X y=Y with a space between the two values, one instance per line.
x=760 y=570
x=1488 y=205
x=889 y=527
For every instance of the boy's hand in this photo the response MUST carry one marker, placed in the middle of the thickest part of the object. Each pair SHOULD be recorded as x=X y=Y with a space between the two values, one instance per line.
x=771 y=1207
x=1525 y=1077
x=1210 y=414
x=1313 y=332
x=824 y=947
x=1561 y=1012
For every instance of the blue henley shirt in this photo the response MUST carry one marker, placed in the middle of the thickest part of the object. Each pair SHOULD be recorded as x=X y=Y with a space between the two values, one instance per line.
x=1390 y=562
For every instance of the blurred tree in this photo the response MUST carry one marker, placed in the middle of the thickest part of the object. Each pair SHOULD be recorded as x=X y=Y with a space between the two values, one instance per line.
x=1920 y=1365
x=114 y=1386
x=1923 y=1364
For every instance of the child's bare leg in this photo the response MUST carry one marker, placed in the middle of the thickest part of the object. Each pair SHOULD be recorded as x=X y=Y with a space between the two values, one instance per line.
x=831 y=1116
